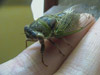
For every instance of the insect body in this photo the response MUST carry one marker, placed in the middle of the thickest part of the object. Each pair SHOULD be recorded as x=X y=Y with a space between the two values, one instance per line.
x=57 y=25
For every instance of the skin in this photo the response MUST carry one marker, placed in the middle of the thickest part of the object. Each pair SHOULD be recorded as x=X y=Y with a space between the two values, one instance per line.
x=78 y=60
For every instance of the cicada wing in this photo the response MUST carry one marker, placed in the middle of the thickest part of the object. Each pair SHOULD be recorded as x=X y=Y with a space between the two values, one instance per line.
x=67 y=24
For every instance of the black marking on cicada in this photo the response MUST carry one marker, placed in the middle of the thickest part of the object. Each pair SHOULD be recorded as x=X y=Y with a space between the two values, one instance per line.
x=57 y=25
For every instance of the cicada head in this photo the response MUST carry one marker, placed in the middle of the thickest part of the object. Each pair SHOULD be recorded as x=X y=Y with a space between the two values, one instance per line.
x=31 y=35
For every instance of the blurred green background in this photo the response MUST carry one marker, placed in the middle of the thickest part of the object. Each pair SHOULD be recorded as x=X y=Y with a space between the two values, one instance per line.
x=14 y=15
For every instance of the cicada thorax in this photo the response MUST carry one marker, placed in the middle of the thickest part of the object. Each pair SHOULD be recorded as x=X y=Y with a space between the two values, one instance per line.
x=44 y=25
x=67 y=23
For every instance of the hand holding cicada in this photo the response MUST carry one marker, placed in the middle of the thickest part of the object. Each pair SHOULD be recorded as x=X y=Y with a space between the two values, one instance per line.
x=54 y=26
x=79 y=61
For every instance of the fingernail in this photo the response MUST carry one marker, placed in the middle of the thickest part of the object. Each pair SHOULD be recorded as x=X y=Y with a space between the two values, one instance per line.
x=85 y=19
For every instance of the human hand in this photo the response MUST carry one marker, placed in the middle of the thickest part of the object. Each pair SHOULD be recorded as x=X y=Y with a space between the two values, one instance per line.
x=77 y=61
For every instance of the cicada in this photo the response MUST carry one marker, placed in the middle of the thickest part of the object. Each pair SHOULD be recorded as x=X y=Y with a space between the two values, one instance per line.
x=58 y=25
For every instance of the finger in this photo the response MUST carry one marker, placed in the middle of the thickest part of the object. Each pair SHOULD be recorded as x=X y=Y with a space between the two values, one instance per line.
x=51 y=56
x=29 y=61
x=85 y=59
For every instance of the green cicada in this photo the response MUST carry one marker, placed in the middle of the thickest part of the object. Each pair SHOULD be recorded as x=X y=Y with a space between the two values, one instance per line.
x=57 y=25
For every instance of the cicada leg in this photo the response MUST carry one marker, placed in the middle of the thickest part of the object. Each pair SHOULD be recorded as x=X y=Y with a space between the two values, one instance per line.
x=56 y=46
x=26 y=41
x=42 y=50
